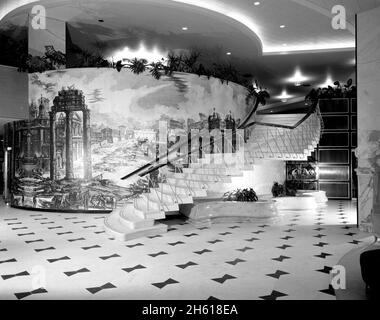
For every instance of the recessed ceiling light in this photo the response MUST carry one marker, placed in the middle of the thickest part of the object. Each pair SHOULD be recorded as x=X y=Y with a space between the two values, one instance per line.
x=257 y=3
x=228 y=53
x=282 y=26
x=185 y=28
x=328 y=82
x=298 y=78
x=284 y=96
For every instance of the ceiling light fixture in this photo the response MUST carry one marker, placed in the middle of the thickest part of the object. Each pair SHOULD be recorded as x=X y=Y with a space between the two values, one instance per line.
x=228 y=53
x=257 y=3
x=284 y=96
x=328 y=82
x=282 y=26
x=185 y=28
x=298 y=78
x=142 y=52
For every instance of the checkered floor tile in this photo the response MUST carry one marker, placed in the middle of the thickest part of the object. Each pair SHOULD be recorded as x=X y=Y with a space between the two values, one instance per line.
x=47 y=255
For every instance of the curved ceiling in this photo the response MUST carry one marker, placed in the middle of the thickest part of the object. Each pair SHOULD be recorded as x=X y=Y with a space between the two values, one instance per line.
x=263 y=20
x=312 y=46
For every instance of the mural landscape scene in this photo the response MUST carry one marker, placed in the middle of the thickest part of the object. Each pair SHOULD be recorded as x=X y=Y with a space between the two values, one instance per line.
x=89 y=127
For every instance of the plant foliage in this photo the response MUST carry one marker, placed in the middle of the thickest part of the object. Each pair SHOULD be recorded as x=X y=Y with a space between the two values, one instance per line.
x=278 y=190
x=338 y=91
x=241 y=195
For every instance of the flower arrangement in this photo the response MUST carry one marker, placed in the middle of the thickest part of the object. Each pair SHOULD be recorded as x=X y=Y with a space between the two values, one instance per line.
x=241 y=195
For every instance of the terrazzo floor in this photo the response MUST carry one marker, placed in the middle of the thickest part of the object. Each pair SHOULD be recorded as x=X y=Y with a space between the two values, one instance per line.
x=46 y=255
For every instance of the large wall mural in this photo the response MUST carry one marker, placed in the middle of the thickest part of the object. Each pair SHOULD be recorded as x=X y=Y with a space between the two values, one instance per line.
x=89 y=127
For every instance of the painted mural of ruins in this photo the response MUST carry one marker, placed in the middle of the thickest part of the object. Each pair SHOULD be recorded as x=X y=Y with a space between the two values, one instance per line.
x=79 y=142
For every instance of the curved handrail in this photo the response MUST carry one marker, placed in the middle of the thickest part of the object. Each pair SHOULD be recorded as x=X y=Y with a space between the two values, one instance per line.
x=311 y=110
x=155 y=164
x=243 y=124
x=147 y=165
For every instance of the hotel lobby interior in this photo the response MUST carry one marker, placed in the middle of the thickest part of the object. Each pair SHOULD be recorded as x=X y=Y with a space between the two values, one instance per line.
x=189 y=150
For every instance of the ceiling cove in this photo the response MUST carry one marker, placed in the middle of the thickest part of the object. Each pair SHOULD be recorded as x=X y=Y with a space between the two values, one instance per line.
x=241 y=12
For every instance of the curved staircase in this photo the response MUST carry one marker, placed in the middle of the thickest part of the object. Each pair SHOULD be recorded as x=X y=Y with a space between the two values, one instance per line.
x=281 y=137
x=285 y=140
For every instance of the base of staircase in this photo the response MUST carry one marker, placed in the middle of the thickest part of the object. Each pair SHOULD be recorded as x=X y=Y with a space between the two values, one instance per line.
x=319 y=195
x=208 y=222
x=296 y=203
x=121 y=232
x=209 y=212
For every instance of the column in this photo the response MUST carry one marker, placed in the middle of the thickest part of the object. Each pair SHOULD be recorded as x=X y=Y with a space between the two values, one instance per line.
x=194 y=145
x=87 y=165
x=5 y=174
x=52 y=144
x=239 y=146
x=41 y=139
x=234 y=140
x=163 y=142
x=227 y=141
x=69 y=147
x=368 y=81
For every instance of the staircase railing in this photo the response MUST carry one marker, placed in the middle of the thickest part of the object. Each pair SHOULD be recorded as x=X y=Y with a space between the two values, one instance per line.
x=294 y=139
x=159 y=162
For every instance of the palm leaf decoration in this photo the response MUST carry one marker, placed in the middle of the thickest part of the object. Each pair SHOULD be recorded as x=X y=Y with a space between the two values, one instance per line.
x=255 y=92
x=155 y=70
x=137 y=66
x=189 y=62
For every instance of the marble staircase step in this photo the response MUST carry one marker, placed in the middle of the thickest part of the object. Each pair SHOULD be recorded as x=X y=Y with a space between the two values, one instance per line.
x=182 y=190
x=232 y=166
x=203 y=177
x=195 y=185
x=145 y=211
x=121 y=232
x=156 y=195
x=215 y=171
x=153 y=199
x=178 y=198
x=129 y=218
x=299 y=157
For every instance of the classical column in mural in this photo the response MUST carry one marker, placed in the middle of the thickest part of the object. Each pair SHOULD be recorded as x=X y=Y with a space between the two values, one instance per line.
x=87 y=145
x=69 y=146
x=70 y=101
x=52 y=144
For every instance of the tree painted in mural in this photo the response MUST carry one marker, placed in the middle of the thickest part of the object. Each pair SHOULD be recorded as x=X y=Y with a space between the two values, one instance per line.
x=88 y=127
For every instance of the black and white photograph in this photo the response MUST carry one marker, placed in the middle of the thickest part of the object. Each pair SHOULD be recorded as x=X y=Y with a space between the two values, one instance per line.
x=203 y=151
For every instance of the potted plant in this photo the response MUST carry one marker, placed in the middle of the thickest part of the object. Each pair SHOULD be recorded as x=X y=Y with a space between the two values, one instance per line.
x=278 y=190
x=241 y=195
